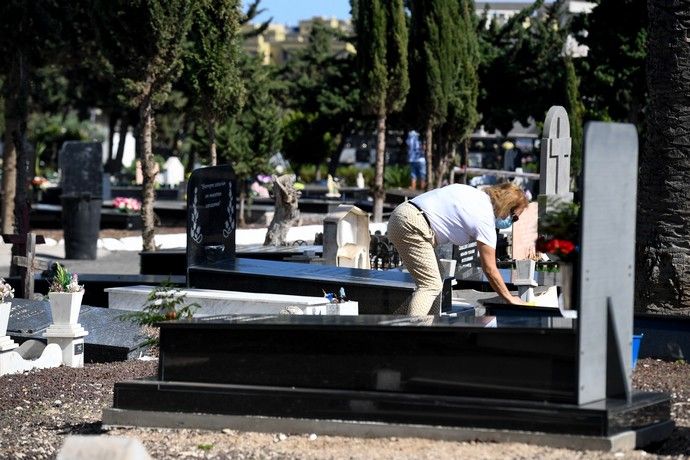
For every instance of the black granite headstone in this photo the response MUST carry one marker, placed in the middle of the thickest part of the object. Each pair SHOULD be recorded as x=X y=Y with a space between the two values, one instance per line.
x=82 y=189
x=211 y=216
x=109 y=339
x=81 y=169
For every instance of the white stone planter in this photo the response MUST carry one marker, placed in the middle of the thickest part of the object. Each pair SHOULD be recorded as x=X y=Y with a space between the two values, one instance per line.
x=4 y=317
x=65 y=306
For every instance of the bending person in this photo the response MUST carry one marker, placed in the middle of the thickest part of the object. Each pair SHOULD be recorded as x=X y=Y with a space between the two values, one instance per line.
x=458 y=214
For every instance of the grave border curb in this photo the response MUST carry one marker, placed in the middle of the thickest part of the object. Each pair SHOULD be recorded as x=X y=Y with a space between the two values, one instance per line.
x=624 y=441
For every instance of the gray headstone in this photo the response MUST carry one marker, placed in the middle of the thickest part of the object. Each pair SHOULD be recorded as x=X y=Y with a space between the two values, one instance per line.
x=81 y=169
x=554 y=167
x=607 y=260
x=211 y=219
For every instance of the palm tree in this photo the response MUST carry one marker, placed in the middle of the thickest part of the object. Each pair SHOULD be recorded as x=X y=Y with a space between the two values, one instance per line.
x=663 y=229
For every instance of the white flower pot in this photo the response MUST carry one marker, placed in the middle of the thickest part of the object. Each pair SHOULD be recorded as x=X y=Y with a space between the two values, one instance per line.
x=65 y=306
x=4 y=317
x=525 y=269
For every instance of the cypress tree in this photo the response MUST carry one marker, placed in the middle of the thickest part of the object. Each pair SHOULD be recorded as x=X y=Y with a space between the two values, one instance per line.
x=142 y=42
x=212 y=66
x=434 y=58
x=576 y=111
x=462 y=104
x=382 y=62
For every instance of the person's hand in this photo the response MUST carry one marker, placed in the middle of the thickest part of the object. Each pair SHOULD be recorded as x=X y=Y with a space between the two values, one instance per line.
x=517 y=301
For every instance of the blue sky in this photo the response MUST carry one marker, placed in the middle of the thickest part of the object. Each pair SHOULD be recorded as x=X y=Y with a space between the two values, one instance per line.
x=290 y=12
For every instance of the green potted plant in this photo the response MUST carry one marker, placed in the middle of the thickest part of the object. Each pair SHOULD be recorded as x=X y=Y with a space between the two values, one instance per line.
x=164 y=303
x=65 y=294
x=6 y=296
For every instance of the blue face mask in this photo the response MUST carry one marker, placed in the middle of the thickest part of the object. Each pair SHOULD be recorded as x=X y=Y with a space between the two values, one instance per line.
x=502 y=224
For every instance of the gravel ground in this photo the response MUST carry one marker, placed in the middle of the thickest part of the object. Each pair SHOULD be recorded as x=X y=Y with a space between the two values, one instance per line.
x=38 y=409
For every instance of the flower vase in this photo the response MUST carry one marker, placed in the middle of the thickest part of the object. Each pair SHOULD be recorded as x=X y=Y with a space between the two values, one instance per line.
x=65 y=306
x=5 y=308
x=565 y=270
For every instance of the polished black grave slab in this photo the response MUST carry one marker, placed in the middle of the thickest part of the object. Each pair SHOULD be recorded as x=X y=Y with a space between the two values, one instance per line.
x=514 y=374
x=377 y=291
x=604 y=418
x=393 y=353
x=109 y=339
x=174 y=261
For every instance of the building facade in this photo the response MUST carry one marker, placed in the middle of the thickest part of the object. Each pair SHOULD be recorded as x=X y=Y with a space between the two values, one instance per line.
x=278 y=42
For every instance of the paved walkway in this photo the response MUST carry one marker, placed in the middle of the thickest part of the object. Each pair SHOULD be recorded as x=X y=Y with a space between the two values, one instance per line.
x=121 y=256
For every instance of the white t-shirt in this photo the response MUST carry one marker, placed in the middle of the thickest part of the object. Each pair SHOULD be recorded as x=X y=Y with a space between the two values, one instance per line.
x=459 y=214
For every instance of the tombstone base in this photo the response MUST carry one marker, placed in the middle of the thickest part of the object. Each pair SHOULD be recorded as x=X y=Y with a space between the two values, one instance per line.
x=30 y=356
x=71 y=331
x=70 y=339
x=7 y=344
x=644 y=420
x=72 y=350
x=620 y=442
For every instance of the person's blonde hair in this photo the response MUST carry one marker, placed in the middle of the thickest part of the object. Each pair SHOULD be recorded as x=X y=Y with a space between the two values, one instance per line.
x=506 y=198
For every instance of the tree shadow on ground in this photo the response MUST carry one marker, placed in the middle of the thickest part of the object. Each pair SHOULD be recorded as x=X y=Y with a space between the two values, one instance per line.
x=678 y=444
x=82 y=428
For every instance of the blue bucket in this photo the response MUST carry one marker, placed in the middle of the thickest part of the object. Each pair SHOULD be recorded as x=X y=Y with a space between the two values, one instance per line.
x=636 y=348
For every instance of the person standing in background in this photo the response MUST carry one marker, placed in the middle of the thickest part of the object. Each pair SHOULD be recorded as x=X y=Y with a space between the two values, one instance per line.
x=417 y=161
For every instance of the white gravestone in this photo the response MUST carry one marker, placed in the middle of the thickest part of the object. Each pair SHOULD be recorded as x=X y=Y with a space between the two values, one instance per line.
x=346 y=238
x=556 y=145
x=212 y=302
x=174 y=171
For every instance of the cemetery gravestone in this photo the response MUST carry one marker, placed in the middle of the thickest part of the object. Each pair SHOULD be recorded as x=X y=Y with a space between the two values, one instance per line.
x=211 y=218
x=556 y=145
x=346 y=238
x=81 y=180
x=525 y=232
x=109 y=338
x=174 y=171
x=607 y=260
x=211 y=261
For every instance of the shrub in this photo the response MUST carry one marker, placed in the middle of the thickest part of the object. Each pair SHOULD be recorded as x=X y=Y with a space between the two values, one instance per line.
x=397 y=176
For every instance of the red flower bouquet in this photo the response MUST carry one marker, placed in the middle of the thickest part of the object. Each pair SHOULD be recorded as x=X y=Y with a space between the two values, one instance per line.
x=558 y=232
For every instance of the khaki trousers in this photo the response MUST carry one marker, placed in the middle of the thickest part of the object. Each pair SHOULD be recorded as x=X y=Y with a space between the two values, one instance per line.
x=412 y=237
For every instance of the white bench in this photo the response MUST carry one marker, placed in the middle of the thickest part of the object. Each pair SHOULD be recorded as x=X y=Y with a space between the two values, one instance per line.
x=216 y=302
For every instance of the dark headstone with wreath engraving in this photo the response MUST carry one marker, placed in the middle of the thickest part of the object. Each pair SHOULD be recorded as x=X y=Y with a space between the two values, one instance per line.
x=211 y=216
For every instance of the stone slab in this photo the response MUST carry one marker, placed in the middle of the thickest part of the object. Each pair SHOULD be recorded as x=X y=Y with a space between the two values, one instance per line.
x=605 y=294
x=216 y=302
x=624 y=441
x=430 y=355
x=376 y=291
x=174 y=261
x=109 y=338
x=29 y=318
x=102 y=447
x=602 y=419
x=525 y=232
